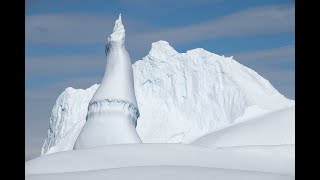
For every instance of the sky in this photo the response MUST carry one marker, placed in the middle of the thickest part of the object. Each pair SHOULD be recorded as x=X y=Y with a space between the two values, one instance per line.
x=64 y=45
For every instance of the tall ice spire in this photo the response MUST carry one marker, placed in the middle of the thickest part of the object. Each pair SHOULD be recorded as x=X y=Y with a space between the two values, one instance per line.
x=113 y=110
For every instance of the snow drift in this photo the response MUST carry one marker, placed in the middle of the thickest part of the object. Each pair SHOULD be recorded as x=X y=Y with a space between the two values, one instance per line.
x=258 y=148
x=272 y=129
x=268 y=160
x=162 y=172
x=181 y=96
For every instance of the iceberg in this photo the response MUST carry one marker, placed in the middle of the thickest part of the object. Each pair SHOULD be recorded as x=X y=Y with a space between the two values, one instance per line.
x=181 y=97
x=113 y=111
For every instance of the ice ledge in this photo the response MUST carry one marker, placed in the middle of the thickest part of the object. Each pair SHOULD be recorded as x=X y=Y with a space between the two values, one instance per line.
x=114 y=105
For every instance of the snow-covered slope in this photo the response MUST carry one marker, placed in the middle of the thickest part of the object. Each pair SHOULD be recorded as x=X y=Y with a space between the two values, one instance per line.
x=258 y=148
x=162 y=172
x=272 y=129
x=181 y=96
x=262 y=159
x=247 y=162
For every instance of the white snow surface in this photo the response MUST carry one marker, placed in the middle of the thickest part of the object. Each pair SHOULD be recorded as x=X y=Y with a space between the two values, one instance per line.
x=272 y=129
x=160 y=173
x=181 y=96
x=252 y=149
x=163 y=160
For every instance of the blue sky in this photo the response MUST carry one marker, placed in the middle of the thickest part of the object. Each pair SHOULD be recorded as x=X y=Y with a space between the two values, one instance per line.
x=65 y=42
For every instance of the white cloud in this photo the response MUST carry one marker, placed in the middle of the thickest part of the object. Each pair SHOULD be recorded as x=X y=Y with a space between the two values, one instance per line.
x=267 y=57
x=90 y=28
x=283 y=80
x=71 y=28
x=276 y=65
x=40 y=66
x=166 y=3
x=254 y=21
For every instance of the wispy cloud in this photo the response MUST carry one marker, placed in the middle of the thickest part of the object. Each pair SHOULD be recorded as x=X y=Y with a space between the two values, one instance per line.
x=66 y=28
x=276 y=65
x=72 y=28
x=282 y=79
x=267 y=57
x=89 y=28
x=265 y=61
x=55 y=65
x=161 y=3
x=253 y=21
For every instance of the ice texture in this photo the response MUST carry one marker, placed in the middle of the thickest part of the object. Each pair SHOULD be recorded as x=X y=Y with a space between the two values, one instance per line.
x=67 y=119
x=124 y=106
x=113 y=110
x=182 y=96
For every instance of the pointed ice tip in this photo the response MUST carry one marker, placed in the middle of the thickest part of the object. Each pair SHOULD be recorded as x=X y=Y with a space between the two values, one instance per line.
x=118 y=24
x=119 y=20
x=118 y=34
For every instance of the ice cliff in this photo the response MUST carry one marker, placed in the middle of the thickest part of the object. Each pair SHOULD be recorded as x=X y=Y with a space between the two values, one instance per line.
x=181 y=96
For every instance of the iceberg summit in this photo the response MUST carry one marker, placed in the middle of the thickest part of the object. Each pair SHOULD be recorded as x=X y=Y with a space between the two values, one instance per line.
x=113 y=110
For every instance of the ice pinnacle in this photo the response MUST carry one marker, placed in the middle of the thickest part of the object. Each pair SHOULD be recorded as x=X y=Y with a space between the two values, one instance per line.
x=113 y=110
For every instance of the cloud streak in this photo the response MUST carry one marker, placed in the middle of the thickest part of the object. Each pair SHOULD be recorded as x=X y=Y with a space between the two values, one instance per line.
x=276 y=65
x=80 y=28
x=55 y=65
x=253 y=21
x=267 y=57
x=167 y=3
x=72 y=28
